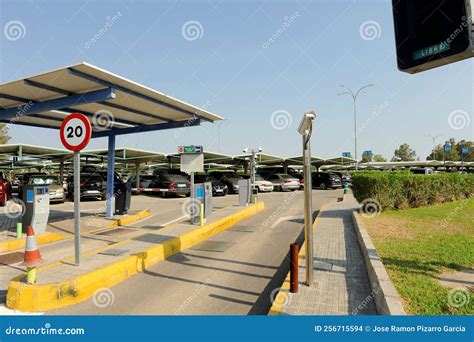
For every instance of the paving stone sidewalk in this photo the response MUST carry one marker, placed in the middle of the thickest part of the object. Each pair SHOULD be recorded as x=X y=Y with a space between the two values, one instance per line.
x=341 y=283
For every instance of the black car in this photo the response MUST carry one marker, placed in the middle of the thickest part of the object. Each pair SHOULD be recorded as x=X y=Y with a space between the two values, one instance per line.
x=172 y=182
x=218 y=187
x=145 y=181
x=325 y=180
x=230 y=179
x=345 y=177
x=92 y=185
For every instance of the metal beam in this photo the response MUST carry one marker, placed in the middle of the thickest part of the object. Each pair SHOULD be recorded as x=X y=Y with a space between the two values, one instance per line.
x=147 y=128
x=131 y=92
x=56 y=104
x=104 y=103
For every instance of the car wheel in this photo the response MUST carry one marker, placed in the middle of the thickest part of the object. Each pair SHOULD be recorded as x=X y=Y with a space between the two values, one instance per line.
x=323 y=186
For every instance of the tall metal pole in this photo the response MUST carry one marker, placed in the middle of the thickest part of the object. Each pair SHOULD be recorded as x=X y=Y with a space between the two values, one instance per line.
x=354 y=99
x=308 y=209
x=77 y=208
x=355 y=132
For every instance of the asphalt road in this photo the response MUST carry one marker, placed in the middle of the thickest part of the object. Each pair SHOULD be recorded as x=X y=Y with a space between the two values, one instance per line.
x=237 y=281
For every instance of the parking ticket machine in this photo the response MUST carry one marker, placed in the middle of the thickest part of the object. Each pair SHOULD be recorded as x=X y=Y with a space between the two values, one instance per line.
x=36 y=199
x=203 y=194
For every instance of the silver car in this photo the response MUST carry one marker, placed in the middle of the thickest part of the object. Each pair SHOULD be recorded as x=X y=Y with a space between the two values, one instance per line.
x=283 y=182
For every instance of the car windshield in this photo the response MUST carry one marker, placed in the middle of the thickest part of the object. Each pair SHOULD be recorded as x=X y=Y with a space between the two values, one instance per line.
x=258 y=178
x=44 y=181
x=175 y=178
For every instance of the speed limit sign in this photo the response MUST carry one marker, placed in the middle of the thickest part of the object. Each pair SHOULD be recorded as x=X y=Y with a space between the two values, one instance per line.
x=75 y=132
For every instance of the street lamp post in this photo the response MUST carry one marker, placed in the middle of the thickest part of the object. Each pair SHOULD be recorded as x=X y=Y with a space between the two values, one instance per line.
x=354 y=98
x=305 y=129
x=433 y=138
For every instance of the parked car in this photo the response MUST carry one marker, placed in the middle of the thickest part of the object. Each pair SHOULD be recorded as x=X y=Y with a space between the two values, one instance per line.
x=5 y=188
x=218 y=187
x=283 y=182
x=25 y=179
x=326 y=180
x=145 y=181
x=263 y=185
x=345 y=177
x=92 y=186
x=422 y=171
x=172 y=181
x=231 y=179
x=267 y=171
x=16 y=184
x=56 y=190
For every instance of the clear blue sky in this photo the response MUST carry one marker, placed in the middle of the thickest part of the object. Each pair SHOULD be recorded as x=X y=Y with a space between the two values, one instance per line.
x=237 y=72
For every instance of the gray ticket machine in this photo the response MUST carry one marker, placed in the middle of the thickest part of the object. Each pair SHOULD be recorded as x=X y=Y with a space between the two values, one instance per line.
x=203 y=194
x=244 y=192
x=36 y=199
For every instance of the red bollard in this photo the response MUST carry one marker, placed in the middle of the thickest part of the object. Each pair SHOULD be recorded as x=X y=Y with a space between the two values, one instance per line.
x=294 y=268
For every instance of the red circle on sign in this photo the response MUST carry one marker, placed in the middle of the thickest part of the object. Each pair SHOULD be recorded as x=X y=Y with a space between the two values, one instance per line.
x=68 y=133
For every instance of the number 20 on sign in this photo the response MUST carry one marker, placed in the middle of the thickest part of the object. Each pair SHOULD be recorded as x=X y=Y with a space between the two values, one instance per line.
x=75 y=132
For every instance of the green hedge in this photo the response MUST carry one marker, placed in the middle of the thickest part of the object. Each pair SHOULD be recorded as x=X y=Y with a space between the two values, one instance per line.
x=400 y=190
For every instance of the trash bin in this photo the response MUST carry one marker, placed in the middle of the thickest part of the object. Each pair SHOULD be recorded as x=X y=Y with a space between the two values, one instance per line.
x=123 y=198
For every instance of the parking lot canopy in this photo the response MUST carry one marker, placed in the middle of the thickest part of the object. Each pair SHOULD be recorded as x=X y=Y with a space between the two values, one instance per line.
x=113 y=104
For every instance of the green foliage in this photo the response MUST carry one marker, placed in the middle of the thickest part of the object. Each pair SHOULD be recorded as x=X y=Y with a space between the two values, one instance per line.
x=400 y=190
x=455 y=154
x=404 y=153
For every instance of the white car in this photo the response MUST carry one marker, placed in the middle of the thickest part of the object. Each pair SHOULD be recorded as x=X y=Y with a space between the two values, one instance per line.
x=262 y=184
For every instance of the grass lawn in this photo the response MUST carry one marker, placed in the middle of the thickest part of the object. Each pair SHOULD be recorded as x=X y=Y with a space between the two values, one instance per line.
x=418 y=244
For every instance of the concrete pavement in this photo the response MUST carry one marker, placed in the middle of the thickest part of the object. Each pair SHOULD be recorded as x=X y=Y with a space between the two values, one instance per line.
x=341 y=283
x=239 y=280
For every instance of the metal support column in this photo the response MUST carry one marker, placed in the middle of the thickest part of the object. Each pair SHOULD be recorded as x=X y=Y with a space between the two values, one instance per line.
x=110 y=177
x=308 y=210
x=77 y=208
x=137 y=174
x=61 y=171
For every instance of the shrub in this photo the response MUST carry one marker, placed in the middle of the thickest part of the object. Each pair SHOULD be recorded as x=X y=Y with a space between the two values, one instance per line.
x=399 y=190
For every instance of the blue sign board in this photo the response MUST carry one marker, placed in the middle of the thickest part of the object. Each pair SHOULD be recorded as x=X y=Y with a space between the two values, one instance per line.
x=464 y=150
x=367 y=153
x=447 y=148
x=346 y=154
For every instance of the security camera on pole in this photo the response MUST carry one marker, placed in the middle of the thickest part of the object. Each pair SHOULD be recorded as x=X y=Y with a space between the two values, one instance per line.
x=305 y=129
x=75 y=134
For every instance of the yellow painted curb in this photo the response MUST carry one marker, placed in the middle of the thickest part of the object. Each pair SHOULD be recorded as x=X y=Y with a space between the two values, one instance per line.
x=129 y=219
x=42 y=239
x=281 y=297
x=43 y=297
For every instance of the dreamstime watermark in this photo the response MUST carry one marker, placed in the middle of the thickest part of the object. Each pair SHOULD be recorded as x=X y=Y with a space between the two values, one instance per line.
x=370 y=30
x=192 y=30
x=190 y=206
x=370 y=208
x=288 y=200
x=103 y=119
x=109 y=22
x=191 y=298
x=103 y=297
x=14 y=30
x=366 y=301
x=459 y=119
x=287 y=22
x=281 y=119
x=453 y=213
x=279 y=298
x=15 y=208
x=376 y=112
x=47 y=329
x=459 y=297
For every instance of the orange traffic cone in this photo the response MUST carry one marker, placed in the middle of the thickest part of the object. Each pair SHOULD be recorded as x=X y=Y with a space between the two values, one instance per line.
x=32 y=253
